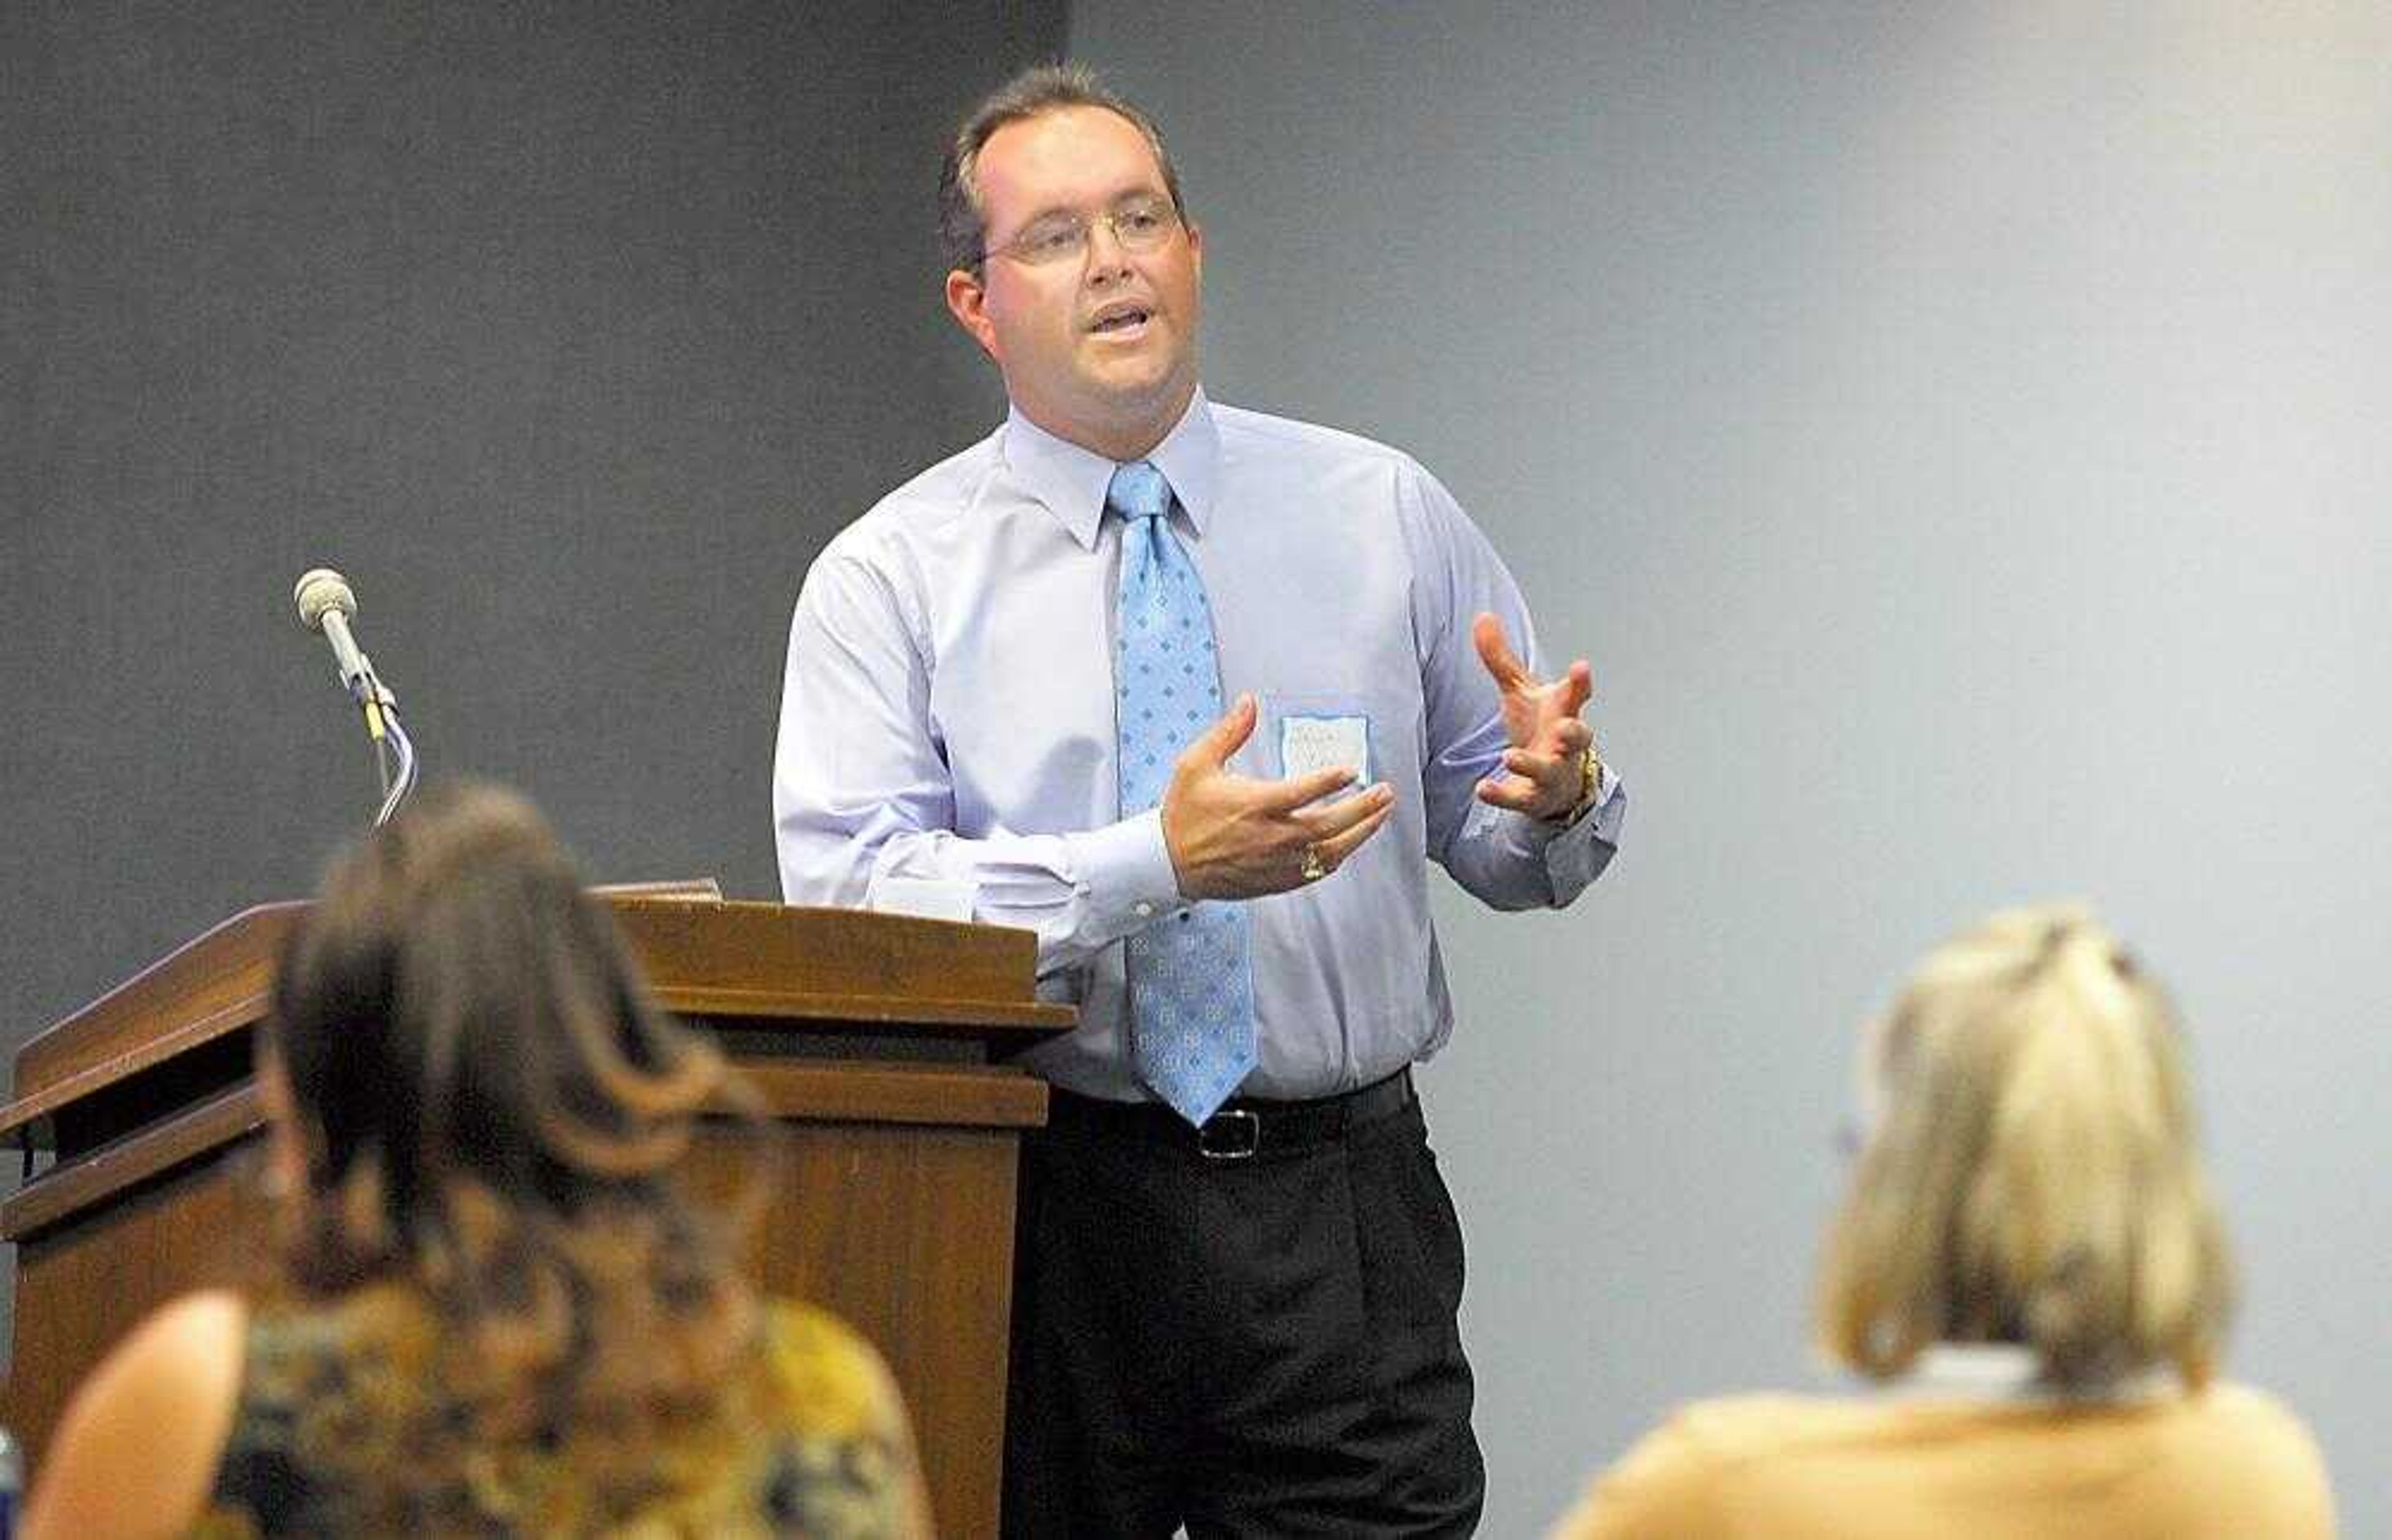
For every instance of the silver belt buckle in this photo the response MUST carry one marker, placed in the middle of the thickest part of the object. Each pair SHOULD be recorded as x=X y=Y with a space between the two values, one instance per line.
x=1231 y=1135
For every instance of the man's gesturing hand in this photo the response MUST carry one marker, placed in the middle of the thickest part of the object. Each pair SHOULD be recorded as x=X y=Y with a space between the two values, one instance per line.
x=1541 y=717
x=1232 y=837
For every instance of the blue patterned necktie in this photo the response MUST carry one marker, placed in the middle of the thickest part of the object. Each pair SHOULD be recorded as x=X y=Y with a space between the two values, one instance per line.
x=1191 y=989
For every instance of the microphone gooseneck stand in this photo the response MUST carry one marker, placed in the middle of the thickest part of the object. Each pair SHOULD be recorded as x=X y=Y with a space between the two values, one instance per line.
x=390 y=741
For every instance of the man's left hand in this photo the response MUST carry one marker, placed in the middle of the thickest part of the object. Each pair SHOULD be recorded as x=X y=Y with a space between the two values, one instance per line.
x=1541 y=717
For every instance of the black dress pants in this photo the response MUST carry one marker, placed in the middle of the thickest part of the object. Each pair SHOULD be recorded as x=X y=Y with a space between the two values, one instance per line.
x=1257 y=1347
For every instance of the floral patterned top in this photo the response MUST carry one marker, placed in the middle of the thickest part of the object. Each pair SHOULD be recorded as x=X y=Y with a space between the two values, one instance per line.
x=806 y=1442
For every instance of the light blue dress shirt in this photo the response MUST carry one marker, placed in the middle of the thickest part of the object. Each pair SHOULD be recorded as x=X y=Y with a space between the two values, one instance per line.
x=948 y=714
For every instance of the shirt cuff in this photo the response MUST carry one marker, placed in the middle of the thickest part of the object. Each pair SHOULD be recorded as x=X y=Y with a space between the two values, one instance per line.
x=1528 y=835
x=1124 y=874
x=1576 y=855
x=1571 y=853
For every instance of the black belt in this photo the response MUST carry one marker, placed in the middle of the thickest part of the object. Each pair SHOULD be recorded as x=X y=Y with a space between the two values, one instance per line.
x=1245 y=1127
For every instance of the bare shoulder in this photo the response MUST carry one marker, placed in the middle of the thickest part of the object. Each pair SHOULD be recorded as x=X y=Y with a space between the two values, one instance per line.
x=187 y=1348
x=196 y=1323
x=137 y=1449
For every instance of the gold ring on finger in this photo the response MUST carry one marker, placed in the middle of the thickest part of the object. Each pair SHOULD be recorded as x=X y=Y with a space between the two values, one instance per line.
x=1314 y=868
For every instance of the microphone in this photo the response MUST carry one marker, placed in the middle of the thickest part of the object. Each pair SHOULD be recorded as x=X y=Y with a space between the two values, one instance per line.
x=326 y=605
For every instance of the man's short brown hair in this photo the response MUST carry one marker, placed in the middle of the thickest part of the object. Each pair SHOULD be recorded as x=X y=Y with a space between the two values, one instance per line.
x=963 y=233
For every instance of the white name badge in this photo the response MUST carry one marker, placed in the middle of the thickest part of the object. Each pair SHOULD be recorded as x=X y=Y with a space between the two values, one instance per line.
x=1310 y=744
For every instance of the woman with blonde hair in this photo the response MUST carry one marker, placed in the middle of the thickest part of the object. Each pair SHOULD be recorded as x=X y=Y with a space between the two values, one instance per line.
x=496 y=1314
x=2030 y=1267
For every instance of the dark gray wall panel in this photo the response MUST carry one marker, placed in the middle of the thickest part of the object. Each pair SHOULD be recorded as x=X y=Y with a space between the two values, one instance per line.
x=570 y=332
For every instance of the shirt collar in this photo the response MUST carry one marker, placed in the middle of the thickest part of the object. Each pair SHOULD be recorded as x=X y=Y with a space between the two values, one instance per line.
x=1069 y=480
x=2006 y=1371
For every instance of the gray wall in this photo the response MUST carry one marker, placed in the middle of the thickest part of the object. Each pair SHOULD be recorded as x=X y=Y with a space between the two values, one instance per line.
x=569 y=332
x=1957 y=435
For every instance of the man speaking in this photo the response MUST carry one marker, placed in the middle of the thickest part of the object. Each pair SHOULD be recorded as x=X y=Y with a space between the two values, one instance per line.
x=1195 y=695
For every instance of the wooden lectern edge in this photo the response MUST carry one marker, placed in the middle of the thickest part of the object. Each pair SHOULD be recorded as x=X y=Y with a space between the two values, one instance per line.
x=27 y=1113
x=994 y=1020
x=63 y=1191
x=965 y=1097
x=1005 y=1018
x=199 y=953
x=665 y=896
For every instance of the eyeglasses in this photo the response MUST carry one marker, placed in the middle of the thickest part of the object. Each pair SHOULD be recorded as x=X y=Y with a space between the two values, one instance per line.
x=1140 y=224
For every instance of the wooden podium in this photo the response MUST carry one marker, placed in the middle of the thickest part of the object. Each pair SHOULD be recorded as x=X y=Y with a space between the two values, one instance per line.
x=878 y=1044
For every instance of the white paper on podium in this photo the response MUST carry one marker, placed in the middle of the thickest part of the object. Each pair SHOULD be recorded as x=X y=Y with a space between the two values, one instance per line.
x=927 y=898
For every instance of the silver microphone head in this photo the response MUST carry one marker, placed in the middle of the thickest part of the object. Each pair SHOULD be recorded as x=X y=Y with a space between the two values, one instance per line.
x=320 y=589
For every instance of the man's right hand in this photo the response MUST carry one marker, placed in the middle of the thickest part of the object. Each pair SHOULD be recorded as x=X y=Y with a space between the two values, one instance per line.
x=1232 y=837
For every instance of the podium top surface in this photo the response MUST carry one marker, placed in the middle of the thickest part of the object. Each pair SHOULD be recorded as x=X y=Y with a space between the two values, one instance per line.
x=702 y=957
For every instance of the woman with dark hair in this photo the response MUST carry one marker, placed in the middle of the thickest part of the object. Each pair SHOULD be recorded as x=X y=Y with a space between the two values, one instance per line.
x=497 y=1314
x=2030 y=1274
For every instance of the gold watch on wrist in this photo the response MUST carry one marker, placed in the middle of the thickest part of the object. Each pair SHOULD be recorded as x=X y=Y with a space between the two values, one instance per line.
x=1590 y=783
